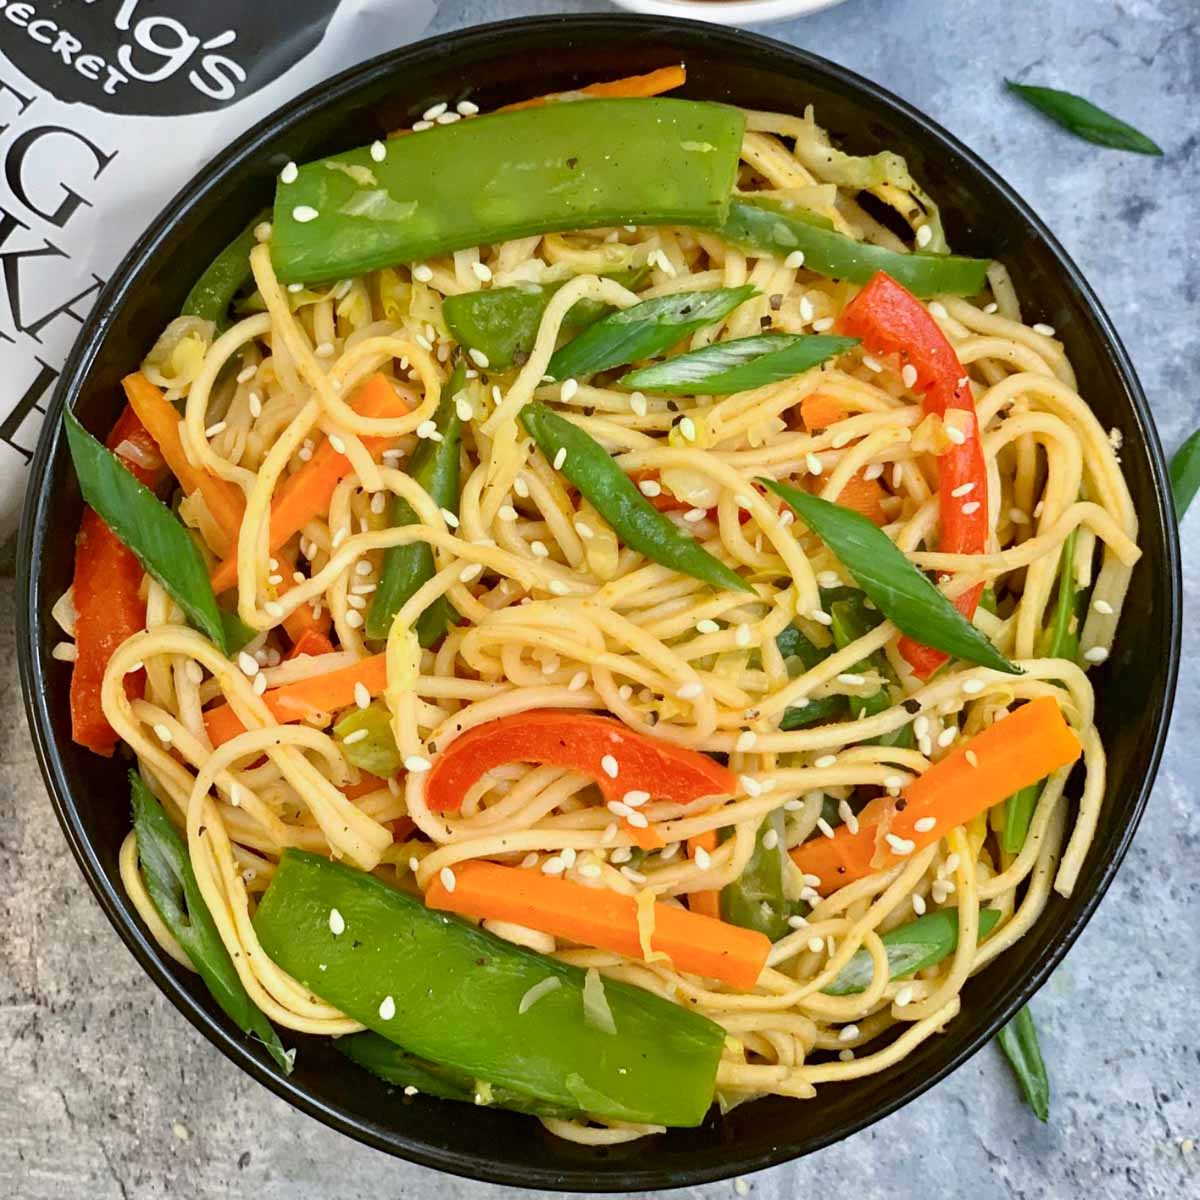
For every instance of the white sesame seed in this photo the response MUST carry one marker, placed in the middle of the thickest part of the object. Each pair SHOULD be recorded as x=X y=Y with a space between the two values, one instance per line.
x=378 y=502
x=750 y=785
x=851 y=680
x=477 y=356
x=900 y=845
x=590 y=870
x=213 y=430
x=957 y=436
x=820 y=616
x=559 y=588
x=539 y=549
x=795 y=260
x=972 y=687
x=687 y=429
x=359 y=735
x=619 y=809
x=813 y=463
x=908 y=375
x=893 y=782
x=1097 y=654
x=924 y=824
x=450 y=518
x=560 y=458
x=770 y=839
x=387 y=1008
x=816 y=944
x=826 y=760
x=947 y=736
x=924 y=235
x=295 y=287
x=745 y=741
x=635 y=799
x=1103 y=607
x=464 y=409
x=637 y=402
x=415 y=764
x=362 y=695
x=449 y=881
x=259 y=685
x=848 y=1033
x=823 y=324
x=467 y=108
x=972 y=758
x=578 y=681
x=702 y=858
x=825 y=828
x=904 y=996
x=638 y=820
x=448 y=118
x=336 y=442
x=650 y=488
x=1044 y=329
x=303 y=213
x=690 y=690
x=289 y=173
x=938 y=311
x=469 y=572
x=435 y=111
x=743 y=635
x=609 y=766
x=162 y=733
x=695 y=514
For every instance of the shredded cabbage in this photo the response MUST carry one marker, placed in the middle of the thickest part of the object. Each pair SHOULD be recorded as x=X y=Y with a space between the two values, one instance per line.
x=596 y=1011
x=542 y=988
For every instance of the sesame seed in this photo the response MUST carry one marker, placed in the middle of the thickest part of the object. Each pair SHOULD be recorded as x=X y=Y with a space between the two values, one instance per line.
x=745 y=741
x=820 y=616
x=795 y=260
x=1097 y=654
x=162 y=733
x=872 y=363
x=464 y=409
x=450 y=518
x=415 y=764
x=303 y=213
x=823 y=324
x=947 y=736
x=410 y=1090
x=825 y=828
x=289 y=173
x=957 y=436
x=743 y=635
x=584 y=530
x=635 y=799
x=893 y=782
x=435 y=111
x=690 y=690
x=539 y=549
x=702 y=858
x=506 y=512
x=972 y=758
x=638 y=820
x=559 y=588
x=851 y=680
x=213 y=430
x=938 y=311
x=336 y=442
x=908 y=375
x=848 y=1033
x=632 y=875
x=448 y=118
x=568 y=856
x=637 y=402
x=337 y=923
x=750 y=785
x=1103 y=607
x=379 y=500
x=469 y=572
x=578 y=681
x=826 y=760
x=387 y=1008
x=924 y=235
x=1018 y=517
x=295 y=287
x=590 y=870
x=925 y=824
x=619 y=809
x=813 y=463
x=694 y=515
x=900 y=845
x=359 y=735
x=770 y=839
x=449 y=882
x=362 y=695
x=816 y=944
x=477 y=356
x=609 y=766
x=687 y=429
x=260 y=684
x=560 y=458
x=426 y=429
x=972 y=686
x=650 y=488
x=1044 y=329
x=254 y=403
x=904 y=996
x=467 y=108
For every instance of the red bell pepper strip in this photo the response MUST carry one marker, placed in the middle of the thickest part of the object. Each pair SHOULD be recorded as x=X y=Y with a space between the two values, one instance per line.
x=107 y=594
x=889 y=319
x=584 y=742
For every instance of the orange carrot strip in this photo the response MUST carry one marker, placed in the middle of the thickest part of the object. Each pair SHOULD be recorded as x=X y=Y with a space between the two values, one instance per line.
x=654 y=83
x=645 y=838
x=311 y=642
x=602 y=918
x=307 y=493
x=707 y=902
x=1017 y=751
x=305 y=699
x=864 y=496
x=818 y=411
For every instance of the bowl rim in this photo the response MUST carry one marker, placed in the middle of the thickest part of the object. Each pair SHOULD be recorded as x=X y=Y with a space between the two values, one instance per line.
x=118 y=908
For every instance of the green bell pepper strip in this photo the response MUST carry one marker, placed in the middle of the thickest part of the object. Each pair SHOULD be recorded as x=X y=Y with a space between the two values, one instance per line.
x=894 y=585
x=632 y=517
x=502 y=323
x=150 y=529
x=386 y=1060
x=213 y=292
x=793 y=644
x=435 y=466
x=171 y=884
x=757 y=225
x=910 y=948
x=1019 y=1041
x=643 y=330
x=451 y=993
x=504 y=176
x=376 y=752
x=1185 y=474
x=1060 y=640
x=737 y=366
x=756 y=899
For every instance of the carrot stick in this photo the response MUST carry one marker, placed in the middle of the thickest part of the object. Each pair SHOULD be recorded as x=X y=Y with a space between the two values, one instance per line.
x=864 y=496
x=306 y=698
x=307 y=493
x=602 y=918
x=818 y=411
x=654 y=83
x=223 y=499
x=707 y=902
x=645 y=838
x=311 y=642
x=1017 y=751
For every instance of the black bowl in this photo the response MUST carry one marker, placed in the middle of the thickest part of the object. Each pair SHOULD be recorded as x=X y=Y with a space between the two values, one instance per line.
x=495 y=64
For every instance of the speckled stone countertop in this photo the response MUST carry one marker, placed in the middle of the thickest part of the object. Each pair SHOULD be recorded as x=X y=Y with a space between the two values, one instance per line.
x=106 y=1092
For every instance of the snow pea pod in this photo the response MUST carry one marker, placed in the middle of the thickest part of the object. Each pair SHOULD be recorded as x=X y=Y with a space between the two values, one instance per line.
x=504 y=176
x=1019 y=1041
x=757 y=225
x=452 y=994
x=214 y=291
x=612 y=493
x=737 y=366
x=756 y=899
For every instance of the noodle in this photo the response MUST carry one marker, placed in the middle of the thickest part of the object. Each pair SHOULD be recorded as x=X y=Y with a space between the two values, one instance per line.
x=555 y=612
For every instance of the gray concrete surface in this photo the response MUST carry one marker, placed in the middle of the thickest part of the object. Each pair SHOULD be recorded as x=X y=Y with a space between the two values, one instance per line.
x=105 y=1091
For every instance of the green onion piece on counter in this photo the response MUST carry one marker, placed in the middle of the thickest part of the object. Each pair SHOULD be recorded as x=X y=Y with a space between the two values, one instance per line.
x=738 y=366
x=1185 y=474
x=758 y=225
x=644 y=330
x=171 y=884
x=504 y=176
x=213 y=292
x=633 y=518
x=434 y=465
x=457 y=996
x=398 y=1067
x=1082 y=118
x=910 y=948
x=894 y=585
x=365 y=735
x=149 y=528
x=502 y=323
x=1060 y=640
x=1019 y=1041
x=756 y=899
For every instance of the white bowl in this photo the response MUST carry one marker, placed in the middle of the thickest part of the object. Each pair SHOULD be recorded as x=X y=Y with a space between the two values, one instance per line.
x=728 y=12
